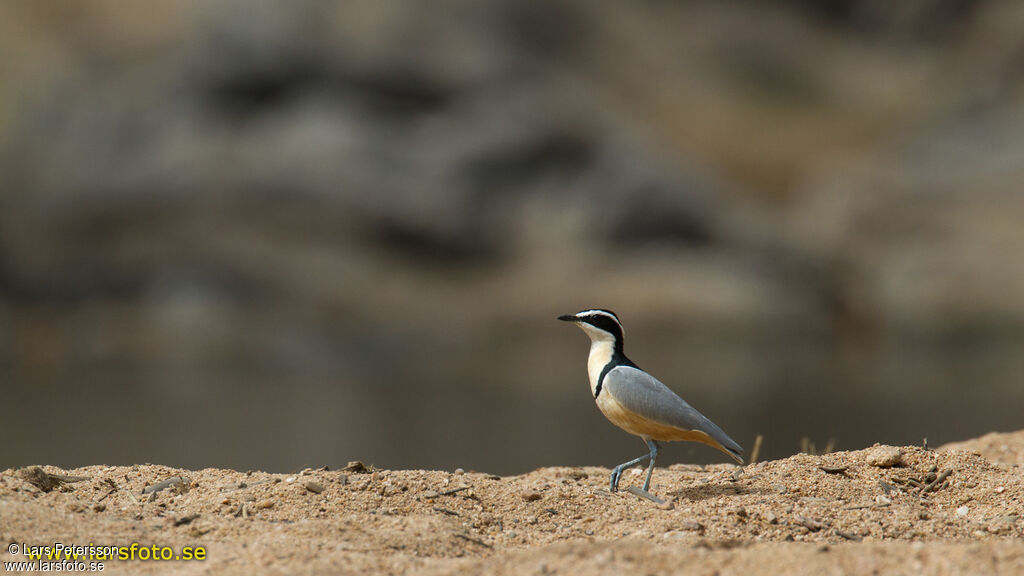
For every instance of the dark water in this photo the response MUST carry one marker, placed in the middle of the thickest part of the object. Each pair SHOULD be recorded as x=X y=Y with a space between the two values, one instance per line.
x=502 y=404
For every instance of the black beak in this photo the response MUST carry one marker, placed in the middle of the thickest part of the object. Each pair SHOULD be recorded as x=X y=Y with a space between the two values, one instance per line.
x=568 y=318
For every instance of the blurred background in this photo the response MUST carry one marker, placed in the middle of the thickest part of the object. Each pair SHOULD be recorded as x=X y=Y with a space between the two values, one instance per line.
x=269 y=235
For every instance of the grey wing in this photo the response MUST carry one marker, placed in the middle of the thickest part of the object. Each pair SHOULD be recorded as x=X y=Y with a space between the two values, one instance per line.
x=644 y=394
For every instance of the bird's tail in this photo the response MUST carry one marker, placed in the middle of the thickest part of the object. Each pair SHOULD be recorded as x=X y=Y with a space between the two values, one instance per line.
x=736 y=454
x=723 y=442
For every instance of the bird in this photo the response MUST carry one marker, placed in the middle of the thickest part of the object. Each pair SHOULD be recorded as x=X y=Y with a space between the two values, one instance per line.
x=637 y=402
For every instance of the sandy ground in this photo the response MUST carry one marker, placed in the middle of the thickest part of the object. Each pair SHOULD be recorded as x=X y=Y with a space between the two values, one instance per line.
x=885 y=510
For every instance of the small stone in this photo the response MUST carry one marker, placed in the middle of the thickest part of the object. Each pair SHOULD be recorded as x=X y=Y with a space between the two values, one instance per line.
x=577 y=475
x=354 y=467
x=883 y=500
x=1000 y=526
x=186 y=519
x=530 y=495
x=809 y=523
x=962 y=511
x=531 y=520
x=884 y=456
x=314 y=487
x=741 y=512
x=771 y=518
x=459 y=471
x=1000 y=489
x=99 y=507
x=692 y=526
x=265 y=504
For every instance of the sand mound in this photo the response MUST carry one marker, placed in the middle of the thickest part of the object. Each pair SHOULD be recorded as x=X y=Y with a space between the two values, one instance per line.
x=996 y=447
x=894 y=510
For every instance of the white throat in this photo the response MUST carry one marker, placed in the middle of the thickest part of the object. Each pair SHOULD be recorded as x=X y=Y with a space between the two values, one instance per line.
x=600 y=355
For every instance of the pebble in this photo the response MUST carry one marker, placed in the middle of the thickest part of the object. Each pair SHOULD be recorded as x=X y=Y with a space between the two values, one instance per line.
x=880 y=499
x=884 y=456
x=1001 y=525
x=459 y=471
x=314 y=487
x=692 y=526
x=265 y=504
x=809 y=523
x=530 y=495
x=962 y=511
x=355 y=467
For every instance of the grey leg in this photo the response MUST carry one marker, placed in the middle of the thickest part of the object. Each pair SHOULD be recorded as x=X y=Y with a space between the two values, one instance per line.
x=617 y=471
x=650 y=468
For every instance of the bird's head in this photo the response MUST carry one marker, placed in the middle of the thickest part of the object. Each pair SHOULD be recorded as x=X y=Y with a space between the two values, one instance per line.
x=600 y=325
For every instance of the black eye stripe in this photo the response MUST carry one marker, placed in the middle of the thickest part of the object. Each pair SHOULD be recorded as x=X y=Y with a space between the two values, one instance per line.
x=599 y=313
x=604 y=323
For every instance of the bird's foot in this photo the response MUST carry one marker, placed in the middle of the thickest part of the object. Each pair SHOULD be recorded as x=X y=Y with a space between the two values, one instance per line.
x=616 y=474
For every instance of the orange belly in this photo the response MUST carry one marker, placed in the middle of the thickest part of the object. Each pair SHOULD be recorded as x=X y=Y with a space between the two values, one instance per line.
x=640 y=426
